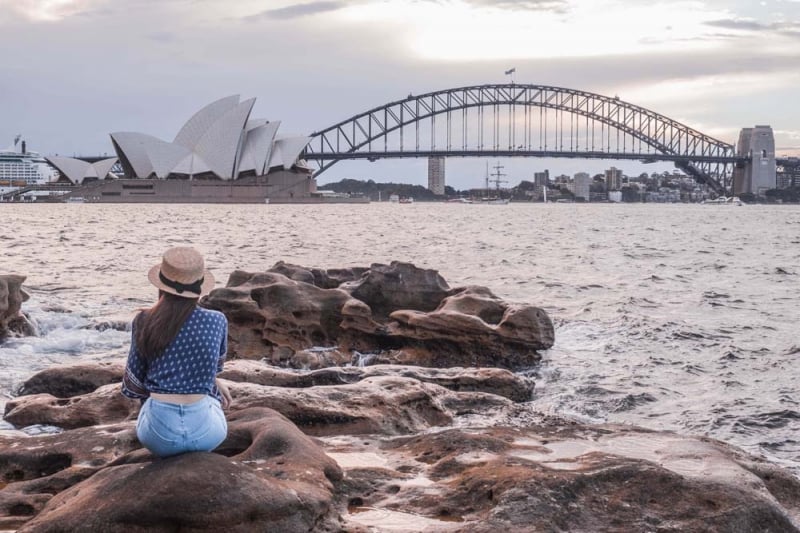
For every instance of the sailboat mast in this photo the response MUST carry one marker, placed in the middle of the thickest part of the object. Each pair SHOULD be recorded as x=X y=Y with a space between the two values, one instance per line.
x=487 y=179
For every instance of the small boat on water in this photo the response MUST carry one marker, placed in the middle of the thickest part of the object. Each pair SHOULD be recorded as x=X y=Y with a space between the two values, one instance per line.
x=494 y=201
x=724 y=200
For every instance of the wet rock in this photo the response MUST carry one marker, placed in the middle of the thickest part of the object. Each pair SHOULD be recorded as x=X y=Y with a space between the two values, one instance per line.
x=73 y=380
x=393 y=450
x=102 y=406
x=391 y=400
x=387 y=405
x=276 y=479
x=488 y=380
x=563 y=477
x=399 y=313
x=12 y=321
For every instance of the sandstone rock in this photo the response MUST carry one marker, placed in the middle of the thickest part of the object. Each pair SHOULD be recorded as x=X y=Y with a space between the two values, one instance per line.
x=12 y=321
x=102 y=406
x=388 y=288
x=276 y=480
x=562 y=477
x=474 y=327
x=488 y=380
x=73 y=380
x=33 y=469
x=387 y=405
x=324 y=279
x=399 y=313
x=381 y=400
x=269 y=310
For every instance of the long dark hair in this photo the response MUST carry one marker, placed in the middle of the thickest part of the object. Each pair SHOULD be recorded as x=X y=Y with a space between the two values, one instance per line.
x=158 y=326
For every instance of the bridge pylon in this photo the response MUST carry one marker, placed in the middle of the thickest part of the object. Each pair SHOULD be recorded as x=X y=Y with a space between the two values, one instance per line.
x=759 y=172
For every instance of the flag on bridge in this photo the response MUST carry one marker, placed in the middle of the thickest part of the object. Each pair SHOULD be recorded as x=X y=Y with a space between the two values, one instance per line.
x=511 y=71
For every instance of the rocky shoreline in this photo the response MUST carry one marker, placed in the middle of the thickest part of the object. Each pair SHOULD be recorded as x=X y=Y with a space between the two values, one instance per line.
x=371 y=399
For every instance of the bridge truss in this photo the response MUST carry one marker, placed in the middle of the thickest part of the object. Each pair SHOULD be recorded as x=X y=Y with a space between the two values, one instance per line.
x=518 y=120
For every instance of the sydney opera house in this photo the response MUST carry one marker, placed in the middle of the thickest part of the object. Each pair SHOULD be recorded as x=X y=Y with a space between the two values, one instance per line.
x=219 y=155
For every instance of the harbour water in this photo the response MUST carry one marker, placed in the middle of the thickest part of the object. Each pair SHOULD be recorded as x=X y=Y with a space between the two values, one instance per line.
x=678 y=317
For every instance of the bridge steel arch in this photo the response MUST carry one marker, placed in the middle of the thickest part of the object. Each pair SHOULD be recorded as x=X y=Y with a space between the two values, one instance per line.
x=646 y=135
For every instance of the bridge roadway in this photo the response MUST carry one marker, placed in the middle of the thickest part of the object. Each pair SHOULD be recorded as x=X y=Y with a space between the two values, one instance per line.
x=644 y=157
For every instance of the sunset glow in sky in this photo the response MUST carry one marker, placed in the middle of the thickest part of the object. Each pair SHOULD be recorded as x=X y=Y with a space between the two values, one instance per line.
x=76 y=70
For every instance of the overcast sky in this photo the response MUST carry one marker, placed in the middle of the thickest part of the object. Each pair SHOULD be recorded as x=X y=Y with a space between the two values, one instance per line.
x=76 y=70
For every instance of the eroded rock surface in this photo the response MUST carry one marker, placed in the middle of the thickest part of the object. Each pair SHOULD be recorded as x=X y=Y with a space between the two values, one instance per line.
x=73 y=380
x=558 y=477
x=488 y=380
x=12 y=321
x=383 y=447
x=398 y=313
x=268 y=476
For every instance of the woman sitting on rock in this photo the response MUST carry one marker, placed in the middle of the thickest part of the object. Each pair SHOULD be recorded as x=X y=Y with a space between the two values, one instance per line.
x=177 y=349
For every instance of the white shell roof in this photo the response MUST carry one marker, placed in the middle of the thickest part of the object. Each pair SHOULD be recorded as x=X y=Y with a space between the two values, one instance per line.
x=191 y=164
x=103 y=167
x=198 y=125
x=220 y=138
x=219 y=146
x=77 y=170
x=257 y=147
x=135 y=147
x=286 y=150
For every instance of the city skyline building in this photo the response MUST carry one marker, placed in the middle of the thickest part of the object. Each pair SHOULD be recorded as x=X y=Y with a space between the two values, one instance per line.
x=582 y=181
x=541 y=178
x=613 y=177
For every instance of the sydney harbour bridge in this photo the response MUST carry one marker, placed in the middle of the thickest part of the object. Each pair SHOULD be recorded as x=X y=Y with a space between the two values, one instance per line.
x=521 y=120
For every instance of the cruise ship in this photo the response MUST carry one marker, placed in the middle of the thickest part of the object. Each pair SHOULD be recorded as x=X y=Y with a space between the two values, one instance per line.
x=22 y=168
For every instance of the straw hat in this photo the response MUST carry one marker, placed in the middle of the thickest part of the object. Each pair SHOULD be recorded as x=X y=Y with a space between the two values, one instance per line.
x=182 y=273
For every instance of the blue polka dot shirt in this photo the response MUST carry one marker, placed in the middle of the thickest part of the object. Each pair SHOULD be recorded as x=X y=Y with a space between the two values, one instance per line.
x=190 y=363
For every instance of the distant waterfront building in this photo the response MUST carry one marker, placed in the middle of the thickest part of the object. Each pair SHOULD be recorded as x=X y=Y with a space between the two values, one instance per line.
x=582 y=181
x=760 y=175
x=613 y=178
x=541 y=178
x=436 y=176
x=789 y=177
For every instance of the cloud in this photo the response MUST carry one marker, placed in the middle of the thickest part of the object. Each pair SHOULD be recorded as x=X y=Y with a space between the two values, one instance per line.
x=556 y=6
x=789 y=29
x=738 y=24
x=299 y=10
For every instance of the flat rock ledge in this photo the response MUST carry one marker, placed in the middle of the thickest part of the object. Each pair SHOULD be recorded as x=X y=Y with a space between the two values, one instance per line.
x=398 y=313
x=382 y=448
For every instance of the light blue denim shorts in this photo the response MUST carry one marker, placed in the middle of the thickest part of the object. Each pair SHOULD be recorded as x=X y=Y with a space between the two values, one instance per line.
x=170 y=428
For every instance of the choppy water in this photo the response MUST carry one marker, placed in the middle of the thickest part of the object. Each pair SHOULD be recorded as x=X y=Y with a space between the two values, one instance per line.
x=680 y=317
